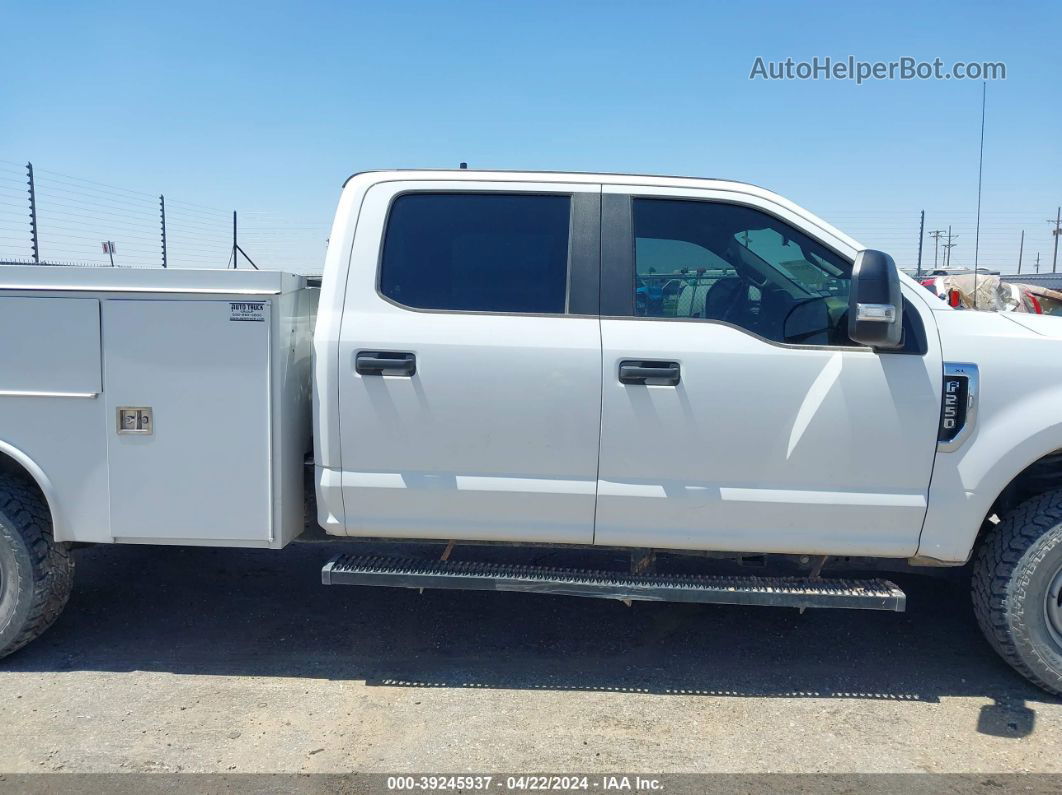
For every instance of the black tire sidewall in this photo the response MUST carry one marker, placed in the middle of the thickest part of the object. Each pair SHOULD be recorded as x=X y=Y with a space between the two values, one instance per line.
x=1027 y=591
x=16 y=597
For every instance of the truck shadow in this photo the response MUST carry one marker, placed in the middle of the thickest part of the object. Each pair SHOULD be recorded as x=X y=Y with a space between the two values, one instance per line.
x=263 y=613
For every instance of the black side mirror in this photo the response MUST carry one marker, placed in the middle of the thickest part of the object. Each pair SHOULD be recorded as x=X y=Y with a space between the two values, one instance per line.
x=875 y=304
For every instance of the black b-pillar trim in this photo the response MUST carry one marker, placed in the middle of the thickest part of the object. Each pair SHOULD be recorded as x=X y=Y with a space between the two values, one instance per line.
x=617 y=256
x=585 y=273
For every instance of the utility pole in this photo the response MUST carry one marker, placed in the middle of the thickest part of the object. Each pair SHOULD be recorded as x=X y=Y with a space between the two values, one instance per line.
x=1058 y=223
x=1037 y=261
x=948 y=247
x=935 y=234
x=33 y=213
x=162 y=211
x=921 y=237
x=1021 y=248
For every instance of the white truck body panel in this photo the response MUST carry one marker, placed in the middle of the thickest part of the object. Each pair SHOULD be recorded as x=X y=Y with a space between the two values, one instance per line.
x=65 y=362
x=1018 y=421
x=221 y=358
x=765 y=447
x=160 y=353
x=496 y=437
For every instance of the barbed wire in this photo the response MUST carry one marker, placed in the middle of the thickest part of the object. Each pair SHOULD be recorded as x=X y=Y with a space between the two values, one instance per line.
x=76 y=215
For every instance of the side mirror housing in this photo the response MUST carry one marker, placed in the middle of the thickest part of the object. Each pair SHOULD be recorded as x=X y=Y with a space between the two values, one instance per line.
x=875 y=304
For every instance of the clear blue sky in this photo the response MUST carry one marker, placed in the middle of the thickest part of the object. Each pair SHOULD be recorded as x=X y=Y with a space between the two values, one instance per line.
x=267 y=107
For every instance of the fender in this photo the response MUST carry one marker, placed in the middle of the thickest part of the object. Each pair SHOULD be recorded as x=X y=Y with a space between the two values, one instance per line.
x=1012 y=431
x=43 y=482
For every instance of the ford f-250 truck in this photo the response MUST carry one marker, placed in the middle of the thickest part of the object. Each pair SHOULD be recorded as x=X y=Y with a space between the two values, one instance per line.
x=651 y=364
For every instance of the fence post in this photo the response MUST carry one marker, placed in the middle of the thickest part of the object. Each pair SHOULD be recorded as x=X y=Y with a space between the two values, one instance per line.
x=33 y=213
x=236 y=250
x=162 y=210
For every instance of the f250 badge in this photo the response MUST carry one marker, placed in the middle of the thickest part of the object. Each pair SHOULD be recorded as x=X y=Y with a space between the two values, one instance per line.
x=958 y=404
x=954 y=406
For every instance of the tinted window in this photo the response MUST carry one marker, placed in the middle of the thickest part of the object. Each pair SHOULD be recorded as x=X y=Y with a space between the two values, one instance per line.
x=738 y=265
x=477 y=252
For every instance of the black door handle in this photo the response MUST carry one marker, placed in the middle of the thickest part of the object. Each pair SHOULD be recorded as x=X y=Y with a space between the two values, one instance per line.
x=642 y=372
x=385 y=363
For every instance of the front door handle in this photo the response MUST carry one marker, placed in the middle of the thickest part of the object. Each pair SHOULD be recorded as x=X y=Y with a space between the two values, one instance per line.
x=385 y=363
x=653 y=373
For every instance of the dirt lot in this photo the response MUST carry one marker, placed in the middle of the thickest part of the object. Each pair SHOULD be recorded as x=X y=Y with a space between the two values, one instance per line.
x=171 y=659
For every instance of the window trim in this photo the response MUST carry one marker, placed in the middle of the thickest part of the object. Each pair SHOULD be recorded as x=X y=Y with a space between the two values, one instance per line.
x=618 y=260
x=582 y=270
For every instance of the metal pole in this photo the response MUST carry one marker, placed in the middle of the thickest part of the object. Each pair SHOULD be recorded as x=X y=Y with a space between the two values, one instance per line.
x=1021 y=248
x=235 y=245
x=1058 y=223
x=33 y=213
x=935 y=234
x=110 y=250
x=980 y=170
x=921 y=235
x=162 y=211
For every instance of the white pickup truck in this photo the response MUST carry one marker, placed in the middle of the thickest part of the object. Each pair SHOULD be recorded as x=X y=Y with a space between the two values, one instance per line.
x=696 y=371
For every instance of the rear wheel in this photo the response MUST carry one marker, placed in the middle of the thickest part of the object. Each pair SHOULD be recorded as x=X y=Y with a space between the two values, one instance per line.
x=36 y=573
x=1017 y=589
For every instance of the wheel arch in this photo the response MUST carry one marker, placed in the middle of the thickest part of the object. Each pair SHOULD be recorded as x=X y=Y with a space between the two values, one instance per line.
x=15 y=461
x=1041 y=476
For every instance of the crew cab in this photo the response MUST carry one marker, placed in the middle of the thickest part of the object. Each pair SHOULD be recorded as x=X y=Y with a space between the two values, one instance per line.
x=682 y=369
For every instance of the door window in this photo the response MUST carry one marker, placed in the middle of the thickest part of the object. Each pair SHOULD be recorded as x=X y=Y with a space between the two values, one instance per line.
x=486 y=252
x=738 y=265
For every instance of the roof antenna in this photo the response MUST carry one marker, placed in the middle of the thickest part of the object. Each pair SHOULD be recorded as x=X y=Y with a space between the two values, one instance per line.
x=464 y=165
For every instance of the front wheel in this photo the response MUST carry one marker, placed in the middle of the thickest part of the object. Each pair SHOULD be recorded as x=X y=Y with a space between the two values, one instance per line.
x=1017 y=589
x=36 y=573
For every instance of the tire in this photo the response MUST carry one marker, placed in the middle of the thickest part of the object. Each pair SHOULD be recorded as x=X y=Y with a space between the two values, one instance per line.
x=1016 y=584
x=36 y=573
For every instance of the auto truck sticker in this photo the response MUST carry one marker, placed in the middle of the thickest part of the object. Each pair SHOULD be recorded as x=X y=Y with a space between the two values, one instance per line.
x=249 y=311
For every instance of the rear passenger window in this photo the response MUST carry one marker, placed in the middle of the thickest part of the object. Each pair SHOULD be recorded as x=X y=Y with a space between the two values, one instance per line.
x=486 y=252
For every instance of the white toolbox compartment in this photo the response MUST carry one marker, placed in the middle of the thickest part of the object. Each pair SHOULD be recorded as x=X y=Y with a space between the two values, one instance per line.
x=199 y=386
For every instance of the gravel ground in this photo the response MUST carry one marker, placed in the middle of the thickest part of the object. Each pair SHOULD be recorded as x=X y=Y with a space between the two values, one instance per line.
x=203 y=660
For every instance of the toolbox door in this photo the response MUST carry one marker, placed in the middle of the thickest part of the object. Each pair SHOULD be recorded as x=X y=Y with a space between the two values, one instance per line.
x=188 y=412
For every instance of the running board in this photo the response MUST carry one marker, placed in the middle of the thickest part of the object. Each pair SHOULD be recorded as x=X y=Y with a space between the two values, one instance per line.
x=800 y=592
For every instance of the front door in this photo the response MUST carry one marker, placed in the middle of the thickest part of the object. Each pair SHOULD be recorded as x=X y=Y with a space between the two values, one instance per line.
x=470 y=370
x=736 y=413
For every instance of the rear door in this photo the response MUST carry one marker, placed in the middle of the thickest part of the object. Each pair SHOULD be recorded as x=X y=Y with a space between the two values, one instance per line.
x=470 y=378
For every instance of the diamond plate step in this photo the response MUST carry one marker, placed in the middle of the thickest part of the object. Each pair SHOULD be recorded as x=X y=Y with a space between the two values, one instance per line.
x=870 y=594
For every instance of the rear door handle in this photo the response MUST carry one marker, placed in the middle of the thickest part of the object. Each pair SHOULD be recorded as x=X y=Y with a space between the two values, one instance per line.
x=653 y=373
x=385 y=363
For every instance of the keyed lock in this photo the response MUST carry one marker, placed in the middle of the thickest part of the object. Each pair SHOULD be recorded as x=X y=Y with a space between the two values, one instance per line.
x=133 y=419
